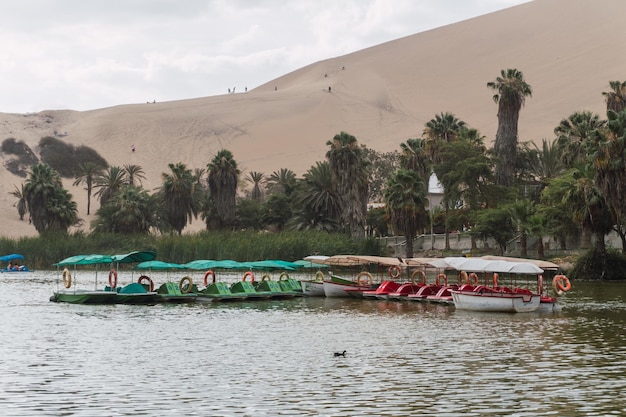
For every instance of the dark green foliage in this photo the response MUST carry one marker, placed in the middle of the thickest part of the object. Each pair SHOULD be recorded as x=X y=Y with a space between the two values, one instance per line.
x=25 y=158
x=597 y=264
x=66 y=158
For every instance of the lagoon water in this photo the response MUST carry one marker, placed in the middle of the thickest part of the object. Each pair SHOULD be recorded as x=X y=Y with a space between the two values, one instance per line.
x=275 y=358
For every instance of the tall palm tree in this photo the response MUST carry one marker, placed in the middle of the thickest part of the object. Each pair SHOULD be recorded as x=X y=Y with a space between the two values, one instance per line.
x=610 y=168
x=575 y=135
x=50 y=205
x=350 y=171
x=405 y=198
x=109 y=182
x=616 y=98
x=511 y=92
x=21 y=200
x=281 y=181
x=134 y=173
x=256 y=179
x=223 y=179
x=87 y=173
x=180 y=196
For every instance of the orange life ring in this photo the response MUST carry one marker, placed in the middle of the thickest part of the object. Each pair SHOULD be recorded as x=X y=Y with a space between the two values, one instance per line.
x=394 y=271
x=495 y=279
x=113 y=278
x=463 y=278
x=420 y=272
x=442 y=276
x=367 y=281
x=561 y=284
x=208 y=274
x=473 y=278
x=150 y=282
x=283 y=277
x=67 y=278
x=249 y=274
x=185 y=289
x=266 y=277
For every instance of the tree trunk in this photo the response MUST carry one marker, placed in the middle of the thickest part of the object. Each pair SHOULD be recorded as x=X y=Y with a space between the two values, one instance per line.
x=505 y=145
x=540 y=248
x=523 y=245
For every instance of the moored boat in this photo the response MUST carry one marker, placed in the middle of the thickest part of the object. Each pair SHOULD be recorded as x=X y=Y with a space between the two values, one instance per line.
x=497 y=298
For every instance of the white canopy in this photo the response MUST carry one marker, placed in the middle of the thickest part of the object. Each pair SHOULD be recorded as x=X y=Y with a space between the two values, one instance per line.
x=487 y=265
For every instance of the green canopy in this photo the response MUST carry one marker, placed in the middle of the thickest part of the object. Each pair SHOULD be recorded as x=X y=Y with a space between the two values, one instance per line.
x=159 y=265
x=137 y=256
x=93 y=259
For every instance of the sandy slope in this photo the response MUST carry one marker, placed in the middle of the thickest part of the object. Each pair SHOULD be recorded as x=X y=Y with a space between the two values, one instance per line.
x=568 y=50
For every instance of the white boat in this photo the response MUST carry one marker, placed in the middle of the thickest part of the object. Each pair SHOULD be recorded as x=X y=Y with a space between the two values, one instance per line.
x=340 y=287
x=495 y=301
x=496 y=298
x=314 y=287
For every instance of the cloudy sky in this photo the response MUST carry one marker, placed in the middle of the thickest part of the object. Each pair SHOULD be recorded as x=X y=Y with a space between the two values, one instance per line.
x=88 y=54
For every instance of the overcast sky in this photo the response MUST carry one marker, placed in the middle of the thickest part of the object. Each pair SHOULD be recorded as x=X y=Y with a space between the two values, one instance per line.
x=89 y=54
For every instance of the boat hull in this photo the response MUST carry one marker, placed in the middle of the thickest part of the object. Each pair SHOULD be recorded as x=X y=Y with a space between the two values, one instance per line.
x=337 y=290
x=495 y=301
x=85 y=297
x=313 y=288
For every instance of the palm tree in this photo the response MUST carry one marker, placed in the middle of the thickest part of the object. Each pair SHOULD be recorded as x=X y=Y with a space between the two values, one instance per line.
x=180 y=196
x=281 y=181
x=405 y=198
x=134 y=173
x=444 y=128
x=316 y=200
x=256 y=179
x=574 y=136
x=87 y=173
x=223 y=179
x=610 y=169
x=50 y=205
x=511 y=92
x=21 y=200
x=414 y=156
x=109 y=183
x=131 y=210
x=616 y=98
x=350 y=171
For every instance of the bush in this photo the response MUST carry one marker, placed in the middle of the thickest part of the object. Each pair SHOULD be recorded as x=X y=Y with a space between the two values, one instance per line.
x=595 y=264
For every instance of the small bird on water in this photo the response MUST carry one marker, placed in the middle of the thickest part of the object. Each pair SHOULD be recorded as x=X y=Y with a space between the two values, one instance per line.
x=340 y=353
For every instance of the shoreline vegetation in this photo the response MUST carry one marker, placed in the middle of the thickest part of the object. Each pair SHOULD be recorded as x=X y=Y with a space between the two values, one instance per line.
x=43 y=251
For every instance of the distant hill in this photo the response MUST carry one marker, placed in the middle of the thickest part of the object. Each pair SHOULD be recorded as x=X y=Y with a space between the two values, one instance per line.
x=568 y=50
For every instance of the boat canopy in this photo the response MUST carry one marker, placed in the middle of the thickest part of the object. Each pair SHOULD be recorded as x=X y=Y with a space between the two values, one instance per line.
x=92 y=259
x=159 y=265
x=204 y=264
x=486 y=265
x=7 y=258
x=136 y=256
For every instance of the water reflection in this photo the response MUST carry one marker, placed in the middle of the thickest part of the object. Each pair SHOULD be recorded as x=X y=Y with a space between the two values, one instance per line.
x=271 y=358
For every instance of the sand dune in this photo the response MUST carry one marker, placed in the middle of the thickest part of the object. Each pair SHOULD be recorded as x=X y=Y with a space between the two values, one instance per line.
x=568 y=50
